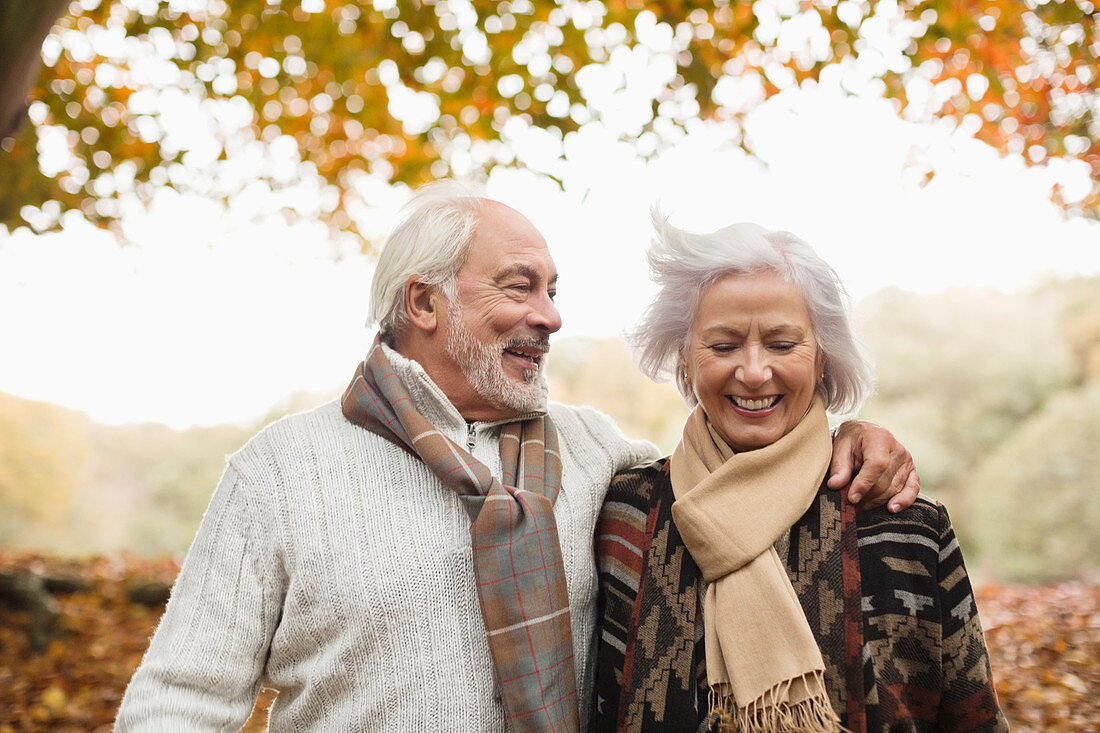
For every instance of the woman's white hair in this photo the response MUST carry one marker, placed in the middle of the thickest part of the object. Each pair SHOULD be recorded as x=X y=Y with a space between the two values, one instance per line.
x=684 y=264
x=431 y=242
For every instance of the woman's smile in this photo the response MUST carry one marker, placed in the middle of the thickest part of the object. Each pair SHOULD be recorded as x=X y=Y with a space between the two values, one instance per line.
x=757 y=406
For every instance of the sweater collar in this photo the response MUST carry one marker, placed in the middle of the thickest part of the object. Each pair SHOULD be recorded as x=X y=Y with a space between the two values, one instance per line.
x=433 y=404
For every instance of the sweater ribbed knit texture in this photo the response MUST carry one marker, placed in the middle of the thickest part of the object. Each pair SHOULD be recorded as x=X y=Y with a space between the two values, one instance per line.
x=336 y=568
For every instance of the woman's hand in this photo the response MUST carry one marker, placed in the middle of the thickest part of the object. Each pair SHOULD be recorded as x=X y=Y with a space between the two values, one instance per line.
x=883 y=469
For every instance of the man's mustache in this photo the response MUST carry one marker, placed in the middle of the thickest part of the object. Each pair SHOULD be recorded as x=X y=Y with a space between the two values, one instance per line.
x=521 y=342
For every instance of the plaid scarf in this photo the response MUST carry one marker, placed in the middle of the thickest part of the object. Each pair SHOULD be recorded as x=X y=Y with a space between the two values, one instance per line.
x=517 y=559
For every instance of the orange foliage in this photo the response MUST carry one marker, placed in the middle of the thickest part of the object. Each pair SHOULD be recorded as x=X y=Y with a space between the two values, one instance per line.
x=326 y=74
x=1044 y=643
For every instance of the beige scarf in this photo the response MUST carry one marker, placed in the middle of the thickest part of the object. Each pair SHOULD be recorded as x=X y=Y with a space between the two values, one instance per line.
x=764 y=667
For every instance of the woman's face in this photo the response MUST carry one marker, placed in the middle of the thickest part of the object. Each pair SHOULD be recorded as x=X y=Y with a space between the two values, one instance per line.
x=752 y=359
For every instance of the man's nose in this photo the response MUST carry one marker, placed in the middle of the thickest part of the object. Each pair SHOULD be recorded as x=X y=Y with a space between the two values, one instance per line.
x=754 y=371
x=544 y=314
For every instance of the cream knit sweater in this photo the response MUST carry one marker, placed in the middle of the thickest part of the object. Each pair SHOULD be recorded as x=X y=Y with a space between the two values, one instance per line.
x=334 y=567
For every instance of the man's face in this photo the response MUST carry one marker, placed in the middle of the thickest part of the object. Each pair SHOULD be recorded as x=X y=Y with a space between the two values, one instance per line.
x=498 y=327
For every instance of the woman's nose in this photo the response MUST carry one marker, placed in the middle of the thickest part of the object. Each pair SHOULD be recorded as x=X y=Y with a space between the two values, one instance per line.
x=754 y=371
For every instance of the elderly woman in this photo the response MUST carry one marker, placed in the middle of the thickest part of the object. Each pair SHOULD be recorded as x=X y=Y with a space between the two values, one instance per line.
x=736 y=592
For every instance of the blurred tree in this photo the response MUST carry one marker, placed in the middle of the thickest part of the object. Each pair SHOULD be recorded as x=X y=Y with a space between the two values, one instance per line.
x=69 y=485
x=43 y=453
x=221 y=96
x=954 y=383
x=1080 y=324
x=1038 y=492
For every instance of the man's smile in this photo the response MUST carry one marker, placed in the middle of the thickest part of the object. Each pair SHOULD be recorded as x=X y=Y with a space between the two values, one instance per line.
x=529 y=353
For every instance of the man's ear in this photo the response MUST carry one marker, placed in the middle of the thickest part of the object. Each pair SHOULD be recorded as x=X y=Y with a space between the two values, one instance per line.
x=422 y=304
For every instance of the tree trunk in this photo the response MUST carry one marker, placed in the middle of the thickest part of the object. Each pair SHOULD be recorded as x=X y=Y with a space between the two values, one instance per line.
x=24 y=24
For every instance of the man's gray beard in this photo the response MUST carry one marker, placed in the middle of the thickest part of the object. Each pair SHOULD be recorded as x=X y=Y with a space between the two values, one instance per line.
x=483 y=368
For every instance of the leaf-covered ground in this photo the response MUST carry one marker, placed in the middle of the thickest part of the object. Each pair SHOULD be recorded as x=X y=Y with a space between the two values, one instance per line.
x=1044 y=640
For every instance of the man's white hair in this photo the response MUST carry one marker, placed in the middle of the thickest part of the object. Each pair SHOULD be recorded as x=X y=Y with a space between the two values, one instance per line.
x=684 y=264
x=431 y=241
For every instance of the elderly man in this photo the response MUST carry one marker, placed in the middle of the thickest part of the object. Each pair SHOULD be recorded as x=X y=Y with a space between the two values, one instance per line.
x=417 y=555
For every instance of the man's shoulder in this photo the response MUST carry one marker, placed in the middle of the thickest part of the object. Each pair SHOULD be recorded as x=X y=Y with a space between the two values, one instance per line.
x=583 y=417
x=296 y=432
x=560 y=411
x=582 y=427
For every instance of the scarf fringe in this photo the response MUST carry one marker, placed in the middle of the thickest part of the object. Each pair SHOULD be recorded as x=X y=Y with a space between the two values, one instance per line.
x=771 y=713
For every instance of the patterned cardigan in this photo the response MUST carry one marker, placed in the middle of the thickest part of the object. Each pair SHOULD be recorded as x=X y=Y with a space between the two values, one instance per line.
x=886 y=595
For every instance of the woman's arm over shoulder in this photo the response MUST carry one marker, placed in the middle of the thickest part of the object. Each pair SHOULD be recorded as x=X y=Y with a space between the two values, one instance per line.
x=969 y=700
